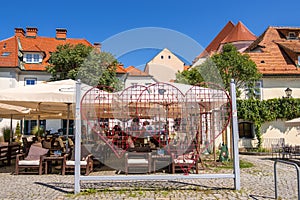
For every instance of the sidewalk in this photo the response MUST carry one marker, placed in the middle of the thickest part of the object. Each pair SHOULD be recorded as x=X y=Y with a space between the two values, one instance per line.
x=256 y=183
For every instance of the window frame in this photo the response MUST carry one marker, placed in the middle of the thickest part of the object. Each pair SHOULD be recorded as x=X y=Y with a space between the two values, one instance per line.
x=30 y=79
x=245 y=133
x=32 y=58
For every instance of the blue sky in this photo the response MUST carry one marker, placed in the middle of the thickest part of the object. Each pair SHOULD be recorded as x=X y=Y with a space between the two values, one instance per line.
x=97 y=20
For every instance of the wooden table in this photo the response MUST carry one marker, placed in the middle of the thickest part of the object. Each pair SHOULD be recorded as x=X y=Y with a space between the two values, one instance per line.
x=50 y=159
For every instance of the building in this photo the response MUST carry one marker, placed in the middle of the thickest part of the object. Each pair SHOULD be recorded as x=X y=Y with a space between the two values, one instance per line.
x=238 y=35
x=137 y=77
x=277 y=56
x=164 y=66
x=23 y=61
x=276 y=53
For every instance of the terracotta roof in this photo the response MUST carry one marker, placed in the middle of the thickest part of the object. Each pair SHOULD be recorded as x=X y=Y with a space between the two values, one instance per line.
x=132 y=71
x=213 y=46
x=120 y=69
x=239 y=33
x=10 y=47
x=23 y=44
x=274 y=54
x=292 y=45
x=231 y=33
x=186 y=67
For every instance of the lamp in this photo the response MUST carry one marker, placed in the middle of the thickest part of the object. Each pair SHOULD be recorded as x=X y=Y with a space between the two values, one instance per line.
x=288 y=92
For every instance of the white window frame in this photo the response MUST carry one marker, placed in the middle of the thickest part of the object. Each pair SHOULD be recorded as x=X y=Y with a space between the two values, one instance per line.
x=32 y=58
x=34 y=80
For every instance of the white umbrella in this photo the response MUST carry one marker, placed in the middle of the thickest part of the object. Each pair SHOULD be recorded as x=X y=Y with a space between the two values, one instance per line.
x=12 y=112
x=55 y=97
x=293 y=122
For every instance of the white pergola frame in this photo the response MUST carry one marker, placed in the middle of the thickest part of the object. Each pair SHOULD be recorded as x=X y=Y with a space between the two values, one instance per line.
x=236 y=170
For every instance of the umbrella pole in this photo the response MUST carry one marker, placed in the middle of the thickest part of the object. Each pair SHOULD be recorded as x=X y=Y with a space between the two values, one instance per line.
x=68 y=124
x=11 y=133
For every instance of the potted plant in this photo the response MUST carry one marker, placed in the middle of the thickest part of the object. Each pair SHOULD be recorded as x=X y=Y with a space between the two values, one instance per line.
x=6 y=133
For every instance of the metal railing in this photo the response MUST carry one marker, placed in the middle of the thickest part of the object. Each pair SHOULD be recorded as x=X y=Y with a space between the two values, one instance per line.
x=275 y=176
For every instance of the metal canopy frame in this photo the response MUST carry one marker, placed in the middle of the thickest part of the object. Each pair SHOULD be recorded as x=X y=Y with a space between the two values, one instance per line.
x=235 y=175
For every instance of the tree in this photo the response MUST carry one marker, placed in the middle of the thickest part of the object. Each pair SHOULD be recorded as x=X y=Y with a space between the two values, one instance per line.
x=84 y=62
x=100 y=69
x=222 y=67
x=66 y=60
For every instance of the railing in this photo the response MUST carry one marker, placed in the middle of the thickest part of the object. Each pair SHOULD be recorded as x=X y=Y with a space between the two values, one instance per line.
x=275 y=176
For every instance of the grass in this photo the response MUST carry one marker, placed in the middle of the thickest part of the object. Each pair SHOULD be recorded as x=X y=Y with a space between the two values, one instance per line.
x=229 y=165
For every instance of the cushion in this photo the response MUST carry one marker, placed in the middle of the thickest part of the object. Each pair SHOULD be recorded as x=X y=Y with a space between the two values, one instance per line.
x=71 y=162
x=29 y=162
x=35 y=152
x=177 y=161
x=137 y=161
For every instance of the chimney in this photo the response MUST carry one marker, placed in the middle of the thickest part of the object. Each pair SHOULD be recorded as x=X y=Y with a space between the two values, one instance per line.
x=97 y=46
x=31 y=32
x=61 y=33
x=19 y=32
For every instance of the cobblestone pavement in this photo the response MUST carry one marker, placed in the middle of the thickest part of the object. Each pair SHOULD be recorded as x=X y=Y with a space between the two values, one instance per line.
x=256 y=183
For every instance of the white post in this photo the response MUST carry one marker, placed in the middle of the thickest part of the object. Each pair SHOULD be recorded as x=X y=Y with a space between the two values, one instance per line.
x=235 y=137
x=77 y=139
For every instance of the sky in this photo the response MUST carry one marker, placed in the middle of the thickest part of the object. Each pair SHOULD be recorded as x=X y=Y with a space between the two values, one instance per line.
x=125 y=24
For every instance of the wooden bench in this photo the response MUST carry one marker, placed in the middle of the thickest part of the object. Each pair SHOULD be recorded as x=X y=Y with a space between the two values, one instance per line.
x=9 y=152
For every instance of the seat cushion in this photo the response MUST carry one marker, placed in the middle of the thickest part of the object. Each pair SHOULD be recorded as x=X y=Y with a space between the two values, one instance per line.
x=178 y=161
x=138 y=161
x=72 y=162
x=29 y=162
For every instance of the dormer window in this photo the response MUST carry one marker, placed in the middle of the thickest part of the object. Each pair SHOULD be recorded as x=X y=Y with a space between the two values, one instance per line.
x=32 y=58
x=292 y=36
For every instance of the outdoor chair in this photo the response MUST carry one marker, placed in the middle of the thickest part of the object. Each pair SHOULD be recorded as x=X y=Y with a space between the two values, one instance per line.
x=34 y=160
x=276 y=150
x=86 y=162
x=138 y=160
x=185 y=162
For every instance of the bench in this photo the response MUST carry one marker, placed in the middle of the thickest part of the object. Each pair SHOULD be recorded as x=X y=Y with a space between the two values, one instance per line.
x=9 y=152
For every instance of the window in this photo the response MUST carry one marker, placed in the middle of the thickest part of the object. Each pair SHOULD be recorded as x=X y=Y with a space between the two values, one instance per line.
x=292 y=36
x=4 y=54
x=246 y=130
x=255 y=92
x=33 y=58
x=30 y=81
x=169 y=57
x=298 y=60
x=162 y=57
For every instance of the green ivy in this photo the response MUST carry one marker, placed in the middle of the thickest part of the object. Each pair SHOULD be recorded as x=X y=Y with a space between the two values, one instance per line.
x=263 y=111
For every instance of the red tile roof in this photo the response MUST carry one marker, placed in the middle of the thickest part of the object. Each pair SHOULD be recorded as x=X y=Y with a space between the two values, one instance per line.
x=229 y=34
x=120 y=69
x=274 y=54
x=239 y=33
x=22 y=43
x=213 y=46
x=132 y=71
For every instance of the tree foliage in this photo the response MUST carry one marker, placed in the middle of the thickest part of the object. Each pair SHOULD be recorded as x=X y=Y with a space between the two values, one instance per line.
x=222 y=67
x=85 y=63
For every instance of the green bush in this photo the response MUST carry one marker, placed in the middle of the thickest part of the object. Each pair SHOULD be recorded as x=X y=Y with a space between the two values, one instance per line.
x=6 y=133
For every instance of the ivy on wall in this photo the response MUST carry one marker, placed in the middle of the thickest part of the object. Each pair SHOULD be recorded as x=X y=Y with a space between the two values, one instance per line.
x=263 y=111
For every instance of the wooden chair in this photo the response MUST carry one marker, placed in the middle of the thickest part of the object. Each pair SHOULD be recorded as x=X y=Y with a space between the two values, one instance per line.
x=34 y=160
x=138 y=160
x=186 y=162
x=69 y=164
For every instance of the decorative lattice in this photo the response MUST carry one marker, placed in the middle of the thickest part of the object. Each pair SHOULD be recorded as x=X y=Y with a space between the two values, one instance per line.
x=178 y=120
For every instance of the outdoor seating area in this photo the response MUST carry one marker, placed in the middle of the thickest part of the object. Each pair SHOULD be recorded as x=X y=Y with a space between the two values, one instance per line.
x=159 y=128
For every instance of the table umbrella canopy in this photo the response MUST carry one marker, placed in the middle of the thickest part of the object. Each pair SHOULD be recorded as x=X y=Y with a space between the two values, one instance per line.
x=46 y=96
x=293 y=122
x=11 y=111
